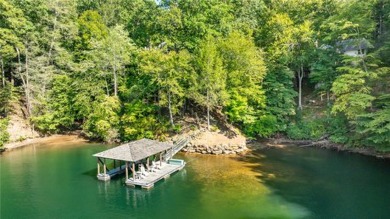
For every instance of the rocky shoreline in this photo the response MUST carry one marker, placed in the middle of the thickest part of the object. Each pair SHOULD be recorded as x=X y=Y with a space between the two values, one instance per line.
x=216 y=143
x=215 y=149
x=323 y=143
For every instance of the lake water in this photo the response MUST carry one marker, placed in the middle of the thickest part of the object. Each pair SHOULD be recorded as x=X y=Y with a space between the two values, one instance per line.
x=59 y=181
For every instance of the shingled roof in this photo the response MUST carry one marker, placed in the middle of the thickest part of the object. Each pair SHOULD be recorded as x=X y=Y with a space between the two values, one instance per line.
x=135 y=150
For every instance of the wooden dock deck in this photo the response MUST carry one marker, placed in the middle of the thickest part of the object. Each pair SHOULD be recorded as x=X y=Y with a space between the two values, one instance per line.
x=151 y=178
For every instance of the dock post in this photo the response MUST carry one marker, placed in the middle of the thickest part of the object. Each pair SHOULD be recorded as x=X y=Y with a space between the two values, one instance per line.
x=133 y=169
x=127 y=171
x=104 y=166
x=98 y=168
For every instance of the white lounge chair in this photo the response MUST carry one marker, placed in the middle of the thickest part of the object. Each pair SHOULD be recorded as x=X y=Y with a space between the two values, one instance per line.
x=154 y=166
x=160 y=165
x=143 y=170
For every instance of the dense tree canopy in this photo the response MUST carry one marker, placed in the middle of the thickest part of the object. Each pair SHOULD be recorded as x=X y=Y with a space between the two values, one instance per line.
x=125 y=69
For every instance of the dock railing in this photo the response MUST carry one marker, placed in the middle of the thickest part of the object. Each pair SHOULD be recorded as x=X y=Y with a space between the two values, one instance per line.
x=178 y=145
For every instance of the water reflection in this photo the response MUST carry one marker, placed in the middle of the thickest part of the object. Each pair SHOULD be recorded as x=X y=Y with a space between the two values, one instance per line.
x=283 y=183
x=330 y=184
x=136 y=197
x=232 y=187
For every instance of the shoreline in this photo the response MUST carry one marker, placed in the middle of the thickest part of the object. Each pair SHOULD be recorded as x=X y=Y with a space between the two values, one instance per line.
x=258 y=144
x=53 y=139
x=326 y=144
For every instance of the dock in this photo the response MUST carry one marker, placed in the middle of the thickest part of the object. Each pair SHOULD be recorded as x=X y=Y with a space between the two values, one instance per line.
x=150 y=178
x=144 y=162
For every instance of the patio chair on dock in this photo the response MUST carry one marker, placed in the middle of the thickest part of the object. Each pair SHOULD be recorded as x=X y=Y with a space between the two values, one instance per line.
x=143 y=170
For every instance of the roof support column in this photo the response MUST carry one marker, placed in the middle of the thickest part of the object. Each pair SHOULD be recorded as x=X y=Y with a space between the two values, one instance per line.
x=127 y=171
x=98 y=167
x=133 y=170
x=104 y=166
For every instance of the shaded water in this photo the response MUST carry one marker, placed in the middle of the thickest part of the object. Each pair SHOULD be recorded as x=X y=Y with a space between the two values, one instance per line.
x=59 y=181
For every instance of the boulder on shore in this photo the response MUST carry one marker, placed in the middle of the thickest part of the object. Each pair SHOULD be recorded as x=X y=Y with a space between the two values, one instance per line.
x=216 y=143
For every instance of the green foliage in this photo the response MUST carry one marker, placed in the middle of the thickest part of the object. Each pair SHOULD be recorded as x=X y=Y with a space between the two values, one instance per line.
x=103 y=122
x=139 y=120
x=74 y=65
x=169 y=72
x=91 y=26
x=60 y=114
x=277 y=36
x=353 y=92
x=245 y=71
x=308 y=130
x=375 y=126
x=12 y=26
x=323 y=70
x=210 y=88
x=4 y=135
x=280 y=95
x=111 y=54
x=211 y=82
x=8 y=94
x=338 y=128
x=263 y=127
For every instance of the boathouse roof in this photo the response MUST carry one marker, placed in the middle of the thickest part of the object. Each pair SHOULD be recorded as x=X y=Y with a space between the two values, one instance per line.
x=135 y=150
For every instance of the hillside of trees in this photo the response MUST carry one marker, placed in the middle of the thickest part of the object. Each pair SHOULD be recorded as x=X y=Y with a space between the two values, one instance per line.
x=128 y=69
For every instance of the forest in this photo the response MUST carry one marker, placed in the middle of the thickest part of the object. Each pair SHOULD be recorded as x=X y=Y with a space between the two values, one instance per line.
x=128 y=69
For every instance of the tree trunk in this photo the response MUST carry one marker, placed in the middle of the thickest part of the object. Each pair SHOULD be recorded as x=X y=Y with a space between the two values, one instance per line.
x=300 y=78
x=19 y=62
x=170 y=110
x=54 y=37
x=115 y=83
x=364 y=62
x=380 y=22
x=328 y=98
x=27 y=83
x=25 y=79
x=2 y=71
x=208 y=110
x=107 y=90
x=115 y=77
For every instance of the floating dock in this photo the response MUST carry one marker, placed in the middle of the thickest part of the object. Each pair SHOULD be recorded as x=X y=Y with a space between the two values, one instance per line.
x=147 y=160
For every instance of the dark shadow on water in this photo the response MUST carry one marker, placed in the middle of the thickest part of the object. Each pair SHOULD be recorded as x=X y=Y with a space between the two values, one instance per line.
x=330 y=184
x=90 y=173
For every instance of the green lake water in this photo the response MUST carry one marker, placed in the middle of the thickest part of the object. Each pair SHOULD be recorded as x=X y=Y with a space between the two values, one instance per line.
x=59 y=181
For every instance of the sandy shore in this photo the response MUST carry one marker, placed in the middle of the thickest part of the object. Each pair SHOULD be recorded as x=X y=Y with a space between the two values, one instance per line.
x=50 y=140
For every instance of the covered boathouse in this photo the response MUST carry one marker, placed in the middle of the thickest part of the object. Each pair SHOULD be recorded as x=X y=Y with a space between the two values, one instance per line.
x=145 y=161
